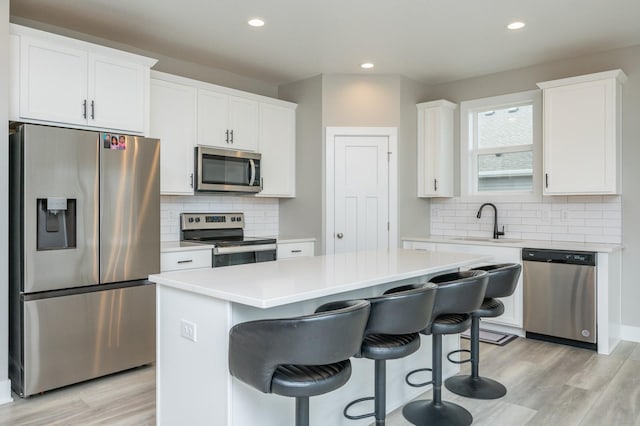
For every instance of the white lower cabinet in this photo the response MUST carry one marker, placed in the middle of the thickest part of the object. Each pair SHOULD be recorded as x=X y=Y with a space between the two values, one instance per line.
x=513 y=313
x=295 y=249
x=178 y=260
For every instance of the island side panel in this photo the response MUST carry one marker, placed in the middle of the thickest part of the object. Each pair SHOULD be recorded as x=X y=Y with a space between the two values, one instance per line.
x=192 y=377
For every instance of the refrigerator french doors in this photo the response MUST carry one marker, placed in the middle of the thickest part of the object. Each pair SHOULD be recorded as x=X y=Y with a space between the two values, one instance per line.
x=84 y=237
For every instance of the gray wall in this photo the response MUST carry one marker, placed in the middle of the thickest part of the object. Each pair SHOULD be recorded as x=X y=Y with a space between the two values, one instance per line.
x=4 y=195
x=302 y=216
x=351 y=101
x=414 y=214
x=165 y=63
x=628 y=59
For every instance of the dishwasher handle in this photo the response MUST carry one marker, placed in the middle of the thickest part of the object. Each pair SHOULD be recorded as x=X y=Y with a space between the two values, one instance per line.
x=586 y=258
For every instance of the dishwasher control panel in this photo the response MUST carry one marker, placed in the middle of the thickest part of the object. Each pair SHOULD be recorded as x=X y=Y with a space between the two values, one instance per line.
x=559 y=256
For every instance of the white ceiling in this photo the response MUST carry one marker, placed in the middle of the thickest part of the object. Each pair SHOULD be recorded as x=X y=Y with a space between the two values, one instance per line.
x=431 y=41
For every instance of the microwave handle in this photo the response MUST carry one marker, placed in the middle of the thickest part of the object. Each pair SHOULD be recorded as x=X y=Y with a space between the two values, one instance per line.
x=253 y=172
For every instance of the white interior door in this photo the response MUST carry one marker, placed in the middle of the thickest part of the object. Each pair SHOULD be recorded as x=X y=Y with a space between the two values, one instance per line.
x=361 y=196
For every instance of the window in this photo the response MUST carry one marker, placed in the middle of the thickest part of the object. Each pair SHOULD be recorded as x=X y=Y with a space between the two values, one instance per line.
x=500 y=147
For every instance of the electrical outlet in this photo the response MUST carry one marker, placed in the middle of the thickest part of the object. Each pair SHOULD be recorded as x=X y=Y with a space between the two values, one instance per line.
x=188 y=330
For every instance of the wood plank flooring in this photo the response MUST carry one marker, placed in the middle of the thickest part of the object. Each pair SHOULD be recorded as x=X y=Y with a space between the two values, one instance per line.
x=548 y=384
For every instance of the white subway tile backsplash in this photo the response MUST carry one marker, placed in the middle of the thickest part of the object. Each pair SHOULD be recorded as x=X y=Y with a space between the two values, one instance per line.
x=261 y=214
x=595 y=219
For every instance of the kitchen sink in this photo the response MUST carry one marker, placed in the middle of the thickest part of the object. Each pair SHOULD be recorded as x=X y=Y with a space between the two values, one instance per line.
x=488 y=240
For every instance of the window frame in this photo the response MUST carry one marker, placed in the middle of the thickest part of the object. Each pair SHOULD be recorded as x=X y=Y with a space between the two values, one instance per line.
x=469 y=152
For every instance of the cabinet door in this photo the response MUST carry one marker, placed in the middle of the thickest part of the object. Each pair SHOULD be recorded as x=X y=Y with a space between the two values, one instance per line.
x=173 y=121
x=580 y=138
x=243 y=123
x=213 y=115
x=116 y=94
x=53 y=82
x=435 y=149
x=277 y=146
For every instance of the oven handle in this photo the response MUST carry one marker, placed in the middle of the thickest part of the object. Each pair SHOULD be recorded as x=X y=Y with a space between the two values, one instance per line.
x=244 y=249
x=253 y=172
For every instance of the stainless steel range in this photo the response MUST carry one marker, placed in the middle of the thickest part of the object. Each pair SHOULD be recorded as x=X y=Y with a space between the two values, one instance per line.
x=225 y=231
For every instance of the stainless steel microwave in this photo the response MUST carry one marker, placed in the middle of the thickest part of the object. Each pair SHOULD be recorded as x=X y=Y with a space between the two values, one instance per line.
x=223 y=170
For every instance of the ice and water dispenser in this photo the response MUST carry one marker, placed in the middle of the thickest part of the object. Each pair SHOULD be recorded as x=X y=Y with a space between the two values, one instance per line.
x=56 y=223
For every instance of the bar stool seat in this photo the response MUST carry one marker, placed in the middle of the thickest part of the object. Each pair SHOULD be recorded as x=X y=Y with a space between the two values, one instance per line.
x=299 y=357
x=451 y=324
x=503 y=279
x=388 y=346
x=309 y=380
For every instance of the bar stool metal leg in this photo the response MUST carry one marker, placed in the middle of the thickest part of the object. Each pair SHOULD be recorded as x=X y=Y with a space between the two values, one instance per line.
x=436 y=411
x=302 y=411
x=474 y=386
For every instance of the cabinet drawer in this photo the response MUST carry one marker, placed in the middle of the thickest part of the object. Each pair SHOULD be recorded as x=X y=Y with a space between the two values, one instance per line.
x=174 y=261
x=287 y=250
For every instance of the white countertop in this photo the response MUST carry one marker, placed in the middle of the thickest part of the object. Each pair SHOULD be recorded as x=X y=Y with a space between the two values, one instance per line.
x=286 y=240
x=174 y=246
x=269 y=284
x=505 y=242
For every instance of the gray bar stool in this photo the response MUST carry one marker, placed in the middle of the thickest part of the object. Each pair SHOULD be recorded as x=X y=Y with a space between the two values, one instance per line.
x=503 y=279
x=459 y=294
x=392 y=333
x=299 y=357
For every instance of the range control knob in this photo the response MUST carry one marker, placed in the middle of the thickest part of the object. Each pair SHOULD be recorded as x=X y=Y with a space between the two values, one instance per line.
x=190 y=220
x=197 y=219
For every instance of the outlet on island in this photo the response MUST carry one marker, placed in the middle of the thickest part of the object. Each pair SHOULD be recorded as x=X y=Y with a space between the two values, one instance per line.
x=188 y=330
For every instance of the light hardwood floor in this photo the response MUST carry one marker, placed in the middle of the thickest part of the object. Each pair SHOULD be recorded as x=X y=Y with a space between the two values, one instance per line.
x=548 y=384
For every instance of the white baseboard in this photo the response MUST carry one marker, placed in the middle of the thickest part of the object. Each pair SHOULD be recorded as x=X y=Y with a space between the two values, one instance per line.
x=630 y=333
x=5 y=392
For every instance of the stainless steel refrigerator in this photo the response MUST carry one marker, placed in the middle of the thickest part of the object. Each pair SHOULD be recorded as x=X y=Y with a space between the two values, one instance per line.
x=84 y=237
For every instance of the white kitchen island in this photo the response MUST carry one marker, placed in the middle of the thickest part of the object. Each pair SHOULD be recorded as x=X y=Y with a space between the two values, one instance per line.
x=197 y=308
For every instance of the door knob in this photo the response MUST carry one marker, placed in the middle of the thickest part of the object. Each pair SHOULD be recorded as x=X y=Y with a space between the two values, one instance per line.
x=339 y=235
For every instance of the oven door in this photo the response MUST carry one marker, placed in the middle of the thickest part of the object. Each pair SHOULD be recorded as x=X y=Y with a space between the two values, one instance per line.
x=221 y=170
x=239 y=255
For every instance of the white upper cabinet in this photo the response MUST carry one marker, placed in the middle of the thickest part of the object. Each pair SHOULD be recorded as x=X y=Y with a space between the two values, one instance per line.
x=582 y=134
x=186 y=113
x=435 y=149
x=277 y=145
x=68 y=82
x=226 y=121
x=173 y=121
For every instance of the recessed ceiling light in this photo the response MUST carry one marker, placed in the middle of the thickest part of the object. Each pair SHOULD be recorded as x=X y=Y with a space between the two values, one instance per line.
x=256 y=22
x=366 y=65
x=516 y=25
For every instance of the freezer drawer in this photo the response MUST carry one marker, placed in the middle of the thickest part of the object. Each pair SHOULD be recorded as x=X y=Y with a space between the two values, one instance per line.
x=73 y=338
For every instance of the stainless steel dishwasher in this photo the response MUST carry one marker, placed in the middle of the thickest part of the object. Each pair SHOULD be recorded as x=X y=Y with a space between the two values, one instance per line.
x=560 y=296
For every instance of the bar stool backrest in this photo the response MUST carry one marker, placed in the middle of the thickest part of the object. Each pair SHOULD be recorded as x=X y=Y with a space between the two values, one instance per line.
x=503 y=279
x=402 y=310
x=459 y=292
x=257 y=348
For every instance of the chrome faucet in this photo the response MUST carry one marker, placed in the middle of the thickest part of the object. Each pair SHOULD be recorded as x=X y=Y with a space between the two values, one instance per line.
x=496 y=233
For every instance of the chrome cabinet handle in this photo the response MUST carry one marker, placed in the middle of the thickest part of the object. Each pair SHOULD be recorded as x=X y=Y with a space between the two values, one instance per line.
x=192 y=180
x=232 y=136
x=84 y=108
x=339 y=235
x=185 y=261
x=227 y=137
x=296 y=251
x=435 y=185
x=93 y=110
x=546 y=180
